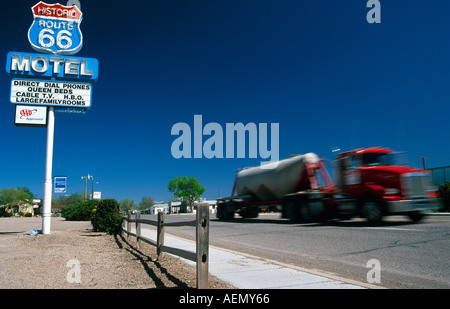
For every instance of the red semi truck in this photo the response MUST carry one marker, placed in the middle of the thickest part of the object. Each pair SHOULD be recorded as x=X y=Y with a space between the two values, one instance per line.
x=369 y=183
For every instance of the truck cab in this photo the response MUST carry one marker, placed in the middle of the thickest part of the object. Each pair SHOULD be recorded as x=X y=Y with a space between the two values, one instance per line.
x=377 y=185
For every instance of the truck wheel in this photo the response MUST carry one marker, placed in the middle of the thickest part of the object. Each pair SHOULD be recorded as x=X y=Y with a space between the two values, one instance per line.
x=311 y=211
x=371 y=210
x=416 y=216
x=292 y=210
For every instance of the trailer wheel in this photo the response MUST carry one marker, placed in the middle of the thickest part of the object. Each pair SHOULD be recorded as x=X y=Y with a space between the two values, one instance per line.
x=371 y=210
x=416 y=216
x=223 y=213
x=219 y=213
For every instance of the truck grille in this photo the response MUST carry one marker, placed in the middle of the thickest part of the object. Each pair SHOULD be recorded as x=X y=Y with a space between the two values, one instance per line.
x=415 y=185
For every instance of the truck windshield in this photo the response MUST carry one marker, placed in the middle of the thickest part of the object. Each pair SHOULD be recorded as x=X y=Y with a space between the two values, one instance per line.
x=372 y=159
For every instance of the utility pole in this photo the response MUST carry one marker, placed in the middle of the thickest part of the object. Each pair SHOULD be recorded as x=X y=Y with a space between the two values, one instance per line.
x=423 y=161
x=85 y=185
x=92 y=195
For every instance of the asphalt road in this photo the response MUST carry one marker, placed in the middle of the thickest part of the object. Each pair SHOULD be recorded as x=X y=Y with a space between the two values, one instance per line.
x=410 y=255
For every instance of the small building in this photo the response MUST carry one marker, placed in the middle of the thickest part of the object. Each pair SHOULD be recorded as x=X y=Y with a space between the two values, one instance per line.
x=181 y=206
x=160 y=207
x=211 y=203
x=56 y=209
x=17 y=209
x=176 y=207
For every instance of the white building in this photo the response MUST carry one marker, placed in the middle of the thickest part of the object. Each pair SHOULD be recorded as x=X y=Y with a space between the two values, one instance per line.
x=160 y=207
x=211 y=203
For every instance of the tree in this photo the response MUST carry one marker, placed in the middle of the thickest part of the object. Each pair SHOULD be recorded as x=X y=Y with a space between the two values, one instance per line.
x=187 y=188
x=146 y=203
x=65 y=200
x=127 y=205
x=13 y=196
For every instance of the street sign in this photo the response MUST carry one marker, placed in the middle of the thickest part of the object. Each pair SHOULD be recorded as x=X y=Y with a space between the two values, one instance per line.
x=50 y=93
x=30 y=116
x=97 y=195
x=56 y=29
x=19 y=64
x=60 y=184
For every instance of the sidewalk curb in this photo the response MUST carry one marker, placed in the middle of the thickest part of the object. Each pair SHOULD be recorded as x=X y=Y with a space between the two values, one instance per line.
x=245 y=271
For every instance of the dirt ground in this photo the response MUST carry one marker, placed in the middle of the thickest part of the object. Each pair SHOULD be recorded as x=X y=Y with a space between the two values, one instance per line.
x=73 y=256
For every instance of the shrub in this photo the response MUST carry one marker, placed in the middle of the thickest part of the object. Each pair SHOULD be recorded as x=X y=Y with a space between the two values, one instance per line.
x=7 y=214
x=444 y=192
x=78 y=210
x=106 y=217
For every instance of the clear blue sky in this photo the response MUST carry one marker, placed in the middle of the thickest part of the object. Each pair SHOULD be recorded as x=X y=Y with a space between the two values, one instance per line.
x=318 y=68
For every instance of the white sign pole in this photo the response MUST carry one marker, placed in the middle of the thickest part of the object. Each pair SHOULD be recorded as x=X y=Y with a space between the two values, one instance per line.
x=47 y=206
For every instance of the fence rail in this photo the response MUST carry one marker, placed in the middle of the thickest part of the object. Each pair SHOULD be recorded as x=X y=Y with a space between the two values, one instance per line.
x=201 y=256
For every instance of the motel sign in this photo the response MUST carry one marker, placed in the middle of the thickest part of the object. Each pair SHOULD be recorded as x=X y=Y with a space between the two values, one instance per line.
x=53 y=81
x=56 y=29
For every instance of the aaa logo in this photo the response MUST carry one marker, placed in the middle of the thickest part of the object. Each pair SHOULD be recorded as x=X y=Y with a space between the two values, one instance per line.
x=27 y=112
x=56 y=29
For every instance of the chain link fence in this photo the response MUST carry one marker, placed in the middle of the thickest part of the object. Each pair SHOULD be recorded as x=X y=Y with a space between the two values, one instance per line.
x=440 y=175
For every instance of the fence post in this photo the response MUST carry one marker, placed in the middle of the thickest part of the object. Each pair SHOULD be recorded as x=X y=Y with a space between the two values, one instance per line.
x=138 y=228
x=202 y=246
x=160 y=234
x=128 y=226
x=123 y=225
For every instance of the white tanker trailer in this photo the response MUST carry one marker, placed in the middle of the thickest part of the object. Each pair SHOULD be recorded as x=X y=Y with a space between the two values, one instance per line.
x=273 y=180
x=369 y=185
x=276 y=185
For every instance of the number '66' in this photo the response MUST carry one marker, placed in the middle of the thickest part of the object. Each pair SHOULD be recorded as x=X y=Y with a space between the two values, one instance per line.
x=63 y=40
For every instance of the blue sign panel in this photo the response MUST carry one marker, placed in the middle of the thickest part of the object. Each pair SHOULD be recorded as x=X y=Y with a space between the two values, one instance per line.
x=59 y=67
x=60 y=184
x=56 y=29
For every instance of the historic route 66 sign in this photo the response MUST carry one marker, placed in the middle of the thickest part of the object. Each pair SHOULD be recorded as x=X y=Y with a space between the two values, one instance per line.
x=56 y=29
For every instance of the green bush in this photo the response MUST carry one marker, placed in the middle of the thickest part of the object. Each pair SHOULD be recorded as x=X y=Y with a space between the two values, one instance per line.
x=106 y=217
x=444 y=192
x=78 y=210
x=7 y=214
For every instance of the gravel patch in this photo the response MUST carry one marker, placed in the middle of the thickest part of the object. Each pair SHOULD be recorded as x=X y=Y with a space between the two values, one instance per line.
x=75 y=257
